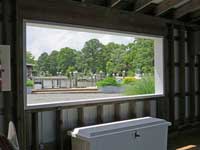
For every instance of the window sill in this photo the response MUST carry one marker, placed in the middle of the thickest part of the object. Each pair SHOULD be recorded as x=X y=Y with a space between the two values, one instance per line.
x=90 y=102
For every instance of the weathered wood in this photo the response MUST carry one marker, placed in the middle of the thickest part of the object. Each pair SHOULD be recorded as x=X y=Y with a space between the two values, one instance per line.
x=171 y=83
x=74 y=13
x=117 y=111
x=190 y=7
x=99 y=114
x=191 y=77
x=181 y=75
x=132 y=110
x=7 y=32
x=147 y=109
x=141 y=4
x=35 y=131
x=29 y=130
x=114 y=3
x=86 y=103
x=166 y=5
x=80 y=120
x=198 y=59
x=60 y=129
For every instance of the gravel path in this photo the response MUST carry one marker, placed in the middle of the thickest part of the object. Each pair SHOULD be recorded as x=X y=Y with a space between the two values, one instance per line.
x=45 y=98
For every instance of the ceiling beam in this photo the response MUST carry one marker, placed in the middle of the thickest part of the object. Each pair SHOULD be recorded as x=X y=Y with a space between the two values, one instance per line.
x=167 y=5
x=114 y=3
x=192 y=6
x=194 y=17
x=140 y=5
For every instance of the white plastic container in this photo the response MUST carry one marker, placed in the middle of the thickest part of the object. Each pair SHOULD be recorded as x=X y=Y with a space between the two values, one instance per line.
x=135 y=134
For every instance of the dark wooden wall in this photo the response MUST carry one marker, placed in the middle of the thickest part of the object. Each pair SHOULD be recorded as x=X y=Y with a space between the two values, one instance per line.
x=180 y=105
x=8 y=37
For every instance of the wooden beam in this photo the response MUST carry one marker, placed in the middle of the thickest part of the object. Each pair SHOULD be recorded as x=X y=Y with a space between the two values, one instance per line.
x=166 y=5
x=70 y=12
x=189 y=7
x=198 y=96
x=191 y=77
x=171 y=78
x=182 y=97
x=142 y=5
x=114 y=3
x=194 y=17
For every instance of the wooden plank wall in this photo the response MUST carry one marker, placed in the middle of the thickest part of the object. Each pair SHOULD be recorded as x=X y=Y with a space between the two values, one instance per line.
x=48 y=129
x=7 y=37
x=182 y=97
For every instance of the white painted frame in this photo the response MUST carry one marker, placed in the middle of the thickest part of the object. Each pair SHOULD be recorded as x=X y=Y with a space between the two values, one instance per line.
x=158 y=63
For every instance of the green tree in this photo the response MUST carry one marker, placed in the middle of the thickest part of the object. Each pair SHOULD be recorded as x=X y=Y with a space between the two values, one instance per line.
x=140 y=55
x=43 y=63
x=91 y=53
x=30 y=59
x=53 y=63
x=66 y=58
x=116 y=62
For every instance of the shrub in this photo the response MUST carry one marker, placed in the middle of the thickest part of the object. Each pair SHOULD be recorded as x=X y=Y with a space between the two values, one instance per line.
x=146 y=85
x=128 y=80
x=109 y=81
x=29 y=83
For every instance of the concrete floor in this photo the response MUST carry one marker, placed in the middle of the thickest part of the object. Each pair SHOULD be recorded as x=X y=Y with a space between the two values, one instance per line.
x=48 y=98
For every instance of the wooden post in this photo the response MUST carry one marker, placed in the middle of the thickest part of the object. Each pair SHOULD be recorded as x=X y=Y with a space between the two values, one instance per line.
x=182 y=75
x=80 y=120
x=59 y=131
x=132 y=110
x=191 y=77
x=100 y=114
x=117 y=111
x=35 y=131
x=171 y=83
x=198 y=56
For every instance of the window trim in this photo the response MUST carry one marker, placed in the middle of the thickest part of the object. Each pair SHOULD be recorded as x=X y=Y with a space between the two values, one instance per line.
x=97 y=100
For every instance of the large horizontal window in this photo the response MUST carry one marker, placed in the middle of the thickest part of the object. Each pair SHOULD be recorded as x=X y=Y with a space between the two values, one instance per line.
x=65 y=63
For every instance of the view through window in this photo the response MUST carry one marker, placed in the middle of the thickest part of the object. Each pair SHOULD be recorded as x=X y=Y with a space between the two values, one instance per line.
x=70 y=63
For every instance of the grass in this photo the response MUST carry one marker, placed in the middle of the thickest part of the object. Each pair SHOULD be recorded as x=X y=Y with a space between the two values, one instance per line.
x=146 y=85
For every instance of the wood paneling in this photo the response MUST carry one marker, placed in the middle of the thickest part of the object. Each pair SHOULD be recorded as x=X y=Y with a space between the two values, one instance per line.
x=91 y=16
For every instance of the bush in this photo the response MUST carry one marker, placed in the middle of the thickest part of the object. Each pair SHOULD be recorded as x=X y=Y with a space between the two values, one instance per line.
x=128 y=80
x=146 y=85
x=29 y=83
x=109 y=81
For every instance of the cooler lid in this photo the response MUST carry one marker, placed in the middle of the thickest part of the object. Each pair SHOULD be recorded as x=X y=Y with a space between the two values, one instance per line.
x=119 y=126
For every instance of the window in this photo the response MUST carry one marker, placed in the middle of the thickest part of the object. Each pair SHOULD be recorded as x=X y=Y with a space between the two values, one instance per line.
x=69 y=63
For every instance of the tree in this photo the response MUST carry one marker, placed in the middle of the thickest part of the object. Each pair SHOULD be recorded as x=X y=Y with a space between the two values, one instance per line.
x=140 y=55
x=53 y=63
x=66 y=58
x=96 y=57
x=115 y=64
x=91 y=52
x=43 y=63
x=30 y=59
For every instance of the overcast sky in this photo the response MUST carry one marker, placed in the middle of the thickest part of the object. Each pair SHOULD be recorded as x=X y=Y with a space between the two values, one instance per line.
x=40 y=39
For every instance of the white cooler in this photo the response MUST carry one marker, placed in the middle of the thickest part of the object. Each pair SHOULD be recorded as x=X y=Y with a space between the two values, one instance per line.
x=135 y=134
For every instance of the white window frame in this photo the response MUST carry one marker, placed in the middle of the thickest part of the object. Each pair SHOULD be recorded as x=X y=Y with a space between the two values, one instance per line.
x=158 y=65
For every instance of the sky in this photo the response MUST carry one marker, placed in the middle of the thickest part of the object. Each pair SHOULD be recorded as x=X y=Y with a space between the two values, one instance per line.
x=41 y=39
